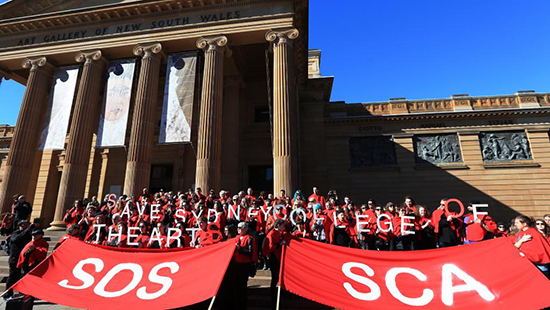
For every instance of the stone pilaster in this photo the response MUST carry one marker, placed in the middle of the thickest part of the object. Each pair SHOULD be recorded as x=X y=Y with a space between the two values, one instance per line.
x=83 y=123
x=208 y=172
x=25 y=139
x=285 y=111
x=231 y=133
x=140 y=149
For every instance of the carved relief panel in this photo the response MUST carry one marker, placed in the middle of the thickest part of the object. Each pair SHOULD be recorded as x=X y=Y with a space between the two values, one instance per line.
x=437 y=149
x=504 y=146
x=366 y=152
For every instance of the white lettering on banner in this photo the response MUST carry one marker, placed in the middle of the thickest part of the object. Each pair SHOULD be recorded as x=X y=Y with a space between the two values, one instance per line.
x=79 y=273
x=476 y=213
x=374 y=293
x=388 y=223
x=155 y=208
x=471 y=284
x=118 y=234
x=137 y=274
x=294 y=212
x=172 y=236
x=361 y=225
x=132 y=235
x=403 y=224
x=266 y=212
x=210 y=212
x=234 y=213
x=447 y=288
x=423 y=300
x=98 y=234
x=166 y=282
x=180 y=214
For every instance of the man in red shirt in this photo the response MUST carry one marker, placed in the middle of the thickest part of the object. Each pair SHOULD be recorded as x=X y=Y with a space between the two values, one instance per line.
x=317 y=198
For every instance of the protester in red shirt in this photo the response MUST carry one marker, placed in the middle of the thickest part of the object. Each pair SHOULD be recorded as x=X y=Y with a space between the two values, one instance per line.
x=532 y=244
x=425 y=228
x=479 y=228
x=317 y=198
x=543 y=229
x=74 y=214
x=34 y=252
x=72 y=232
x=301 y=230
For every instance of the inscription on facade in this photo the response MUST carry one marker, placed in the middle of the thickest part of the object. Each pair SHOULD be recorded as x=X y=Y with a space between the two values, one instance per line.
x=436 y=149
x=370 y=128
x=144 y=23
x=501 y=122
x=433 y=125
x=367 y=152
x=504 y=146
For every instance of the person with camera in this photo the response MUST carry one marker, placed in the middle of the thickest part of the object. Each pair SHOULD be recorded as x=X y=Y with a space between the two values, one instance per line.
x=17 y=241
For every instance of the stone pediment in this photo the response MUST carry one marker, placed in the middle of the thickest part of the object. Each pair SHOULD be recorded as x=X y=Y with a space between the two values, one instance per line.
x=22 y=8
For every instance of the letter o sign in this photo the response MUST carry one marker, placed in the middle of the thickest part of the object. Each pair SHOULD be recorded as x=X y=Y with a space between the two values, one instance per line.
x=137 y=272
x=458 y=202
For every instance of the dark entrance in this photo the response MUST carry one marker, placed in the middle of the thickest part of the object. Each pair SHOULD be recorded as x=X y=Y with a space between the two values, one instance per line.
x=260 y=178
x=161 y=178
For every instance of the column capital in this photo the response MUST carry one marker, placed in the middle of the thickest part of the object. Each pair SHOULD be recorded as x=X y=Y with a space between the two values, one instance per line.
x=147 y=50
x=214 y=43
x=87 y=57
x=281 y=35
x=6 y=74
x=34 y=63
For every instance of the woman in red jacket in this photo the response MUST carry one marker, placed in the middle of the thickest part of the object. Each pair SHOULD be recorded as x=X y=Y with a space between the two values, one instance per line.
x=532 y=244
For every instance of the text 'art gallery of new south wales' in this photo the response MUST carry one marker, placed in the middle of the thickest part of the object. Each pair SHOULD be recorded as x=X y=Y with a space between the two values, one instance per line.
x=226 y=94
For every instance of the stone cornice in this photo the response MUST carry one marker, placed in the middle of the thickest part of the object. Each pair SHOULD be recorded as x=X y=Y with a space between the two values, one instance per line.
x=460 y=103
x=435 y=116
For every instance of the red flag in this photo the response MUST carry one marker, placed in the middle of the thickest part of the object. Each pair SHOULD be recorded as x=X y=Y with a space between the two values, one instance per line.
x=485 y=275
x=85 y=276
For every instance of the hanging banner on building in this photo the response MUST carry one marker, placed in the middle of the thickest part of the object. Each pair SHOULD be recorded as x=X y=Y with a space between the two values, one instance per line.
x=58 y=113
x=175 y=126
x=89 y=277
x=484 y=275
x=116 y=104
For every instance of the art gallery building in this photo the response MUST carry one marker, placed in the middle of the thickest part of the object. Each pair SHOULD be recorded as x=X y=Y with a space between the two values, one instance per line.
x=227 y=94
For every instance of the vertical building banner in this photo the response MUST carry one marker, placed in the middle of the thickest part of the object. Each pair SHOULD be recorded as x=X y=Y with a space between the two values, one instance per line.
x=113 y=119
x=177 y=110
x=58 y=112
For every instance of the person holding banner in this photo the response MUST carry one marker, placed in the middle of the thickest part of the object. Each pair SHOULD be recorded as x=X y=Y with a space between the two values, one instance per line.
x=245 y=258
x=34 y=252
x=532 y=244
x=272 y=249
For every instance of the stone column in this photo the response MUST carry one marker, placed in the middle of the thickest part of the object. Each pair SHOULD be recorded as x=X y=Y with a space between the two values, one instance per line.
x=140 y=149
x=27 y=132
x=285 y=110
x=83 y=124
x=209 y=153
x=231 y=133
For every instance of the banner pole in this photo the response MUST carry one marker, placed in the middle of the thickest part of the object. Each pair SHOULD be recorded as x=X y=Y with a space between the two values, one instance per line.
x=212 y=303
x=278 y=297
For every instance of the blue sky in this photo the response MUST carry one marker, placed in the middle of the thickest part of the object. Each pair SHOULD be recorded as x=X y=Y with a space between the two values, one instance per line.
x=416 y=49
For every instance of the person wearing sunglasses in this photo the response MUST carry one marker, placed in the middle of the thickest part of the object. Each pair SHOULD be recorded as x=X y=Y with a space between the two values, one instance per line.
x=543 y=228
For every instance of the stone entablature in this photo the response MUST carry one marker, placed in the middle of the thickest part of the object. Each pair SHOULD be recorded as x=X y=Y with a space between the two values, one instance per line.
x=457 y=103
x=6 y=131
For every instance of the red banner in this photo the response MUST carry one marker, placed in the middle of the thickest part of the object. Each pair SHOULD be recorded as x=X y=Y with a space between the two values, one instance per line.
x=85 y=276
x=486 y=275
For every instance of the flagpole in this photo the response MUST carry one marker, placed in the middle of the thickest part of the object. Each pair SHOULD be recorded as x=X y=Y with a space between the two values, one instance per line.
x=278 y=297
x=212 y=303
x=281 y=275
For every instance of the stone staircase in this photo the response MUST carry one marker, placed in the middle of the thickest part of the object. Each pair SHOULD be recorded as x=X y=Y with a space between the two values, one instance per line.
x=258 y=287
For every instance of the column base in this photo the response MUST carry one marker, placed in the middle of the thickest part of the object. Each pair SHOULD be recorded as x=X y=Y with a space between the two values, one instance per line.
x=57 y=226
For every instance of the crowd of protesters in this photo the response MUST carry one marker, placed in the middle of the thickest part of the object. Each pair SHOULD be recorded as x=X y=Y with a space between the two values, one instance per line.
x=262 y=223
